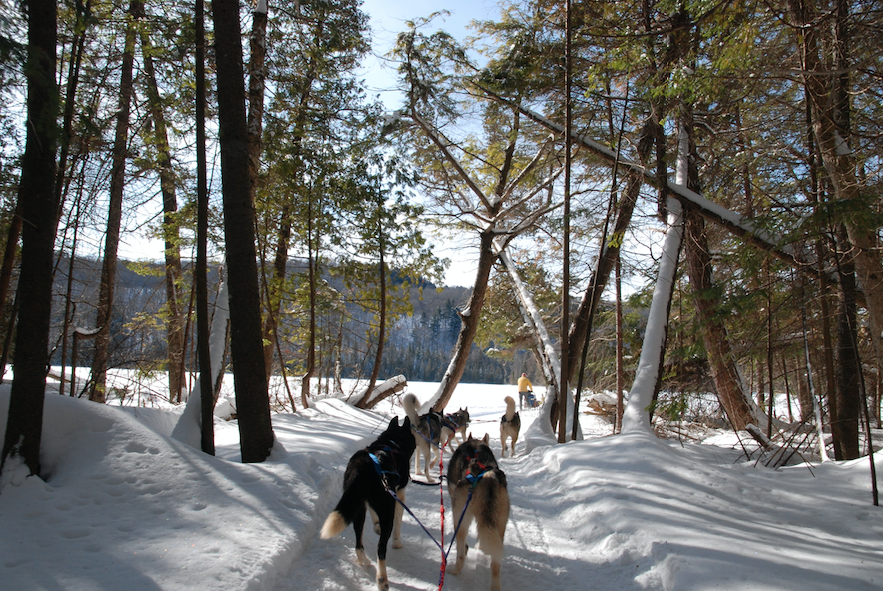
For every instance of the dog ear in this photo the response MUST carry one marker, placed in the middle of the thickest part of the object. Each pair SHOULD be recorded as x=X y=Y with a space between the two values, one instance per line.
x=406 y=424
x=486 y=439
x=394 y=423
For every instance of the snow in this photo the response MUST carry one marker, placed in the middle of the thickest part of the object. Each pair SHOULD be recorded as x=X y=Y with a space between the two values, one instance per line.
x=126 y=506
x=649 y=363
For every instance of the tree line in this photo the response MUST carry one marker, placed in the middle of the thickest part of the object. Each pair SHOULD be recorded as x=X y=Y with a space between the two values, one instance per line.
x=591 y=144
x=418 y=344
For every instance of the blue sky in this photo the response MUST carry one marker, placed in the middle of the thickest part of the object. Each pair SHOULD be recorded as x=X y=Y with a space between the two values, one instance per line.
x=388 y=18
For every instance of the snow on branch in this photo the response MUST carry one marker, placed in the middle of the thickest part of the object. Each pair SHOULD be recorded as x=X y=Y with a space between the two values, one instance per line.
x=381 y=391
x=732 y=221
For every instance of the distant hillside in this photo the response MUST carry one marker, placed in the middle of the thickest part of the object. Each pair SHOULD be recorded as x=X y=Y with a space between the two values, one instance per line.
x=418 y=346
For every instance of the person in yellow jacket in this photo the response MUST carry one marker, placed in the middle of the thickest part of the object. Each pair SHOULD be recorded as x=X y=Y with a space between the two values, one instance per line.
x=525 y=388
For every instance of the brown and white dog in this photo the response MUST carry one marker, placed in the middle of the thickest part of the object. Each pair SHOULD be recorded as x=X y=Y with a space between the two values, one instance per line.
x=474 y=469
x=510 y=426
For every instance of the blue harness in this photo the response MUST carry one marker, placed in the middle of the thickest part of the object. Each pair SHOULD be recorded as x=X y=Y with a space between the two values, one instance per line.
x=386 y=474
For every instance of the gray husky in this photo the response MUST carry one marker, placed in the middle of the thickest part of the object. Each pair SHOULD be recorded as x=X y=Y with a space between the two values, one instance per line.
x=427 y=431
x=473 y=470
x=455 y=423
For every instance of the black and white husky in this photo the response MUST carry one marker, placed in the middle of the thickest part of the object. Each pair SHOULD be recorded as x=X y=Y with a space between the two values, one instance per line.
x=473 y=469
x=370 y=475
x=510 y=426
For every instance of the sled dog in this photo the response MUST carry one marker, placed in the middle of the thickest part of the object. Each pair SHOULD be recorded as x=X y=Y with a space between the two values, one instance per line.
x=370 y=474
x=455 y=423
x=474 y=468
x=510 y=426
x=427 y=431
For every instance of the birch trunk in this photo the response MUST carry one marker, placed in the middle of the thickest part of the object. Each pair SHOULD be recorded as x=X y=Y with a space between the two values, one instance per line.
x=188 y=429
x=642 y=395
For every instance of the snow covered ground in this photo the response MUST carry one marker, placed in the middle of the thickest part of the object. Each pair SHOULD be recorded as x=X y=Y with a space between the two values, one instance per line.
x=128 y=507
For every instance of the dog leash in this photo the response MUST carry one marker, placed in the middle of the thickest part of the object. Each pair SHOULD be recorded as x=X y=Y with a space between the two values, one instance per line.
x=441 y=494
x=471 y=478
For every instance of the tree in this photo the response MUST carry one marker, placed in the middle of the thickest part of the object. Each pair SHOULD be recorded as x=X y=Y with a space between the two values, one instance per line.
x=250 y=377
x=97 y=391
x=206 y=394
x=24 y=424
x=175 y=327
x=494 y=184
x=827 y=83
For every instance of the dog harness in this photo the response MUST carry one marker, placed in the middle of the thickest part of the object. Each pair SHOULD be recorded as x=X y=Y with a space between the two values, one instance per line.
x=386 y=466
x=450 y=422
x=473 y=477
x=515 y=419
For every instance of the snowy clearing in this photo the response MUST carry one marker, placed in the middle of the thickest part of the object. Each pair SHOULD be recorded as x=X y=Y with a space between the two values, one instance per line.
x=127 y=506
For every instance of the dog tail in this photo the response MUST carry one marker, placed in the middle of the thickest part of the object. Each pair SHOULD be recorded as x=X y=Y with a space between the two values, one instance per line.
x=510 y=407
x=334 y=525
x=348 y=507
x=493 y=513
x=411 y=403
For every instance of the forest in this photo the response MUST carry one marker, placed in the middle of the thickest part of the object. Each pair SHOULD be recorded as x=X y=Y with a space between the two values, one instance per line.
x=669 y=198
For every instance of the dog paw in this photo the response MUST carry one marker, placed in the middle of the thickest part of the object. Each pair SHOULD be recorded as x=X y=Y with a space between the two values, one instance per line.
x=363 y=558
x=382 y=584
x=397 y=544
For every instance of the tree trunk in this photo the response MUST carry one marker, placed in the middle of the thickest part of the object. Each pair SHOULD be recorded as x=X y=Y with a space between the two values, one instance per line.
x=381 y=331
x=620 y=350
x=175 y=333
x=256 y=75
x=311 y=278
x=468 y=323
x=24 y=424
x=97 y=391
x=727 y=380
x=566 y=367
x=585 y=314
x=250 y=378
x=848 y=368
x=642 y=394
x=200 y=272
x=9 y=261
x=827 y=90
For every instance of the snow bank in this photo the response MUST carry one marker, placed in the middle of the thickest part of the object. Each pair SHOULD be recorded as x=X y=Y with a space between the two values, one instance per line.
x=125 y=503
